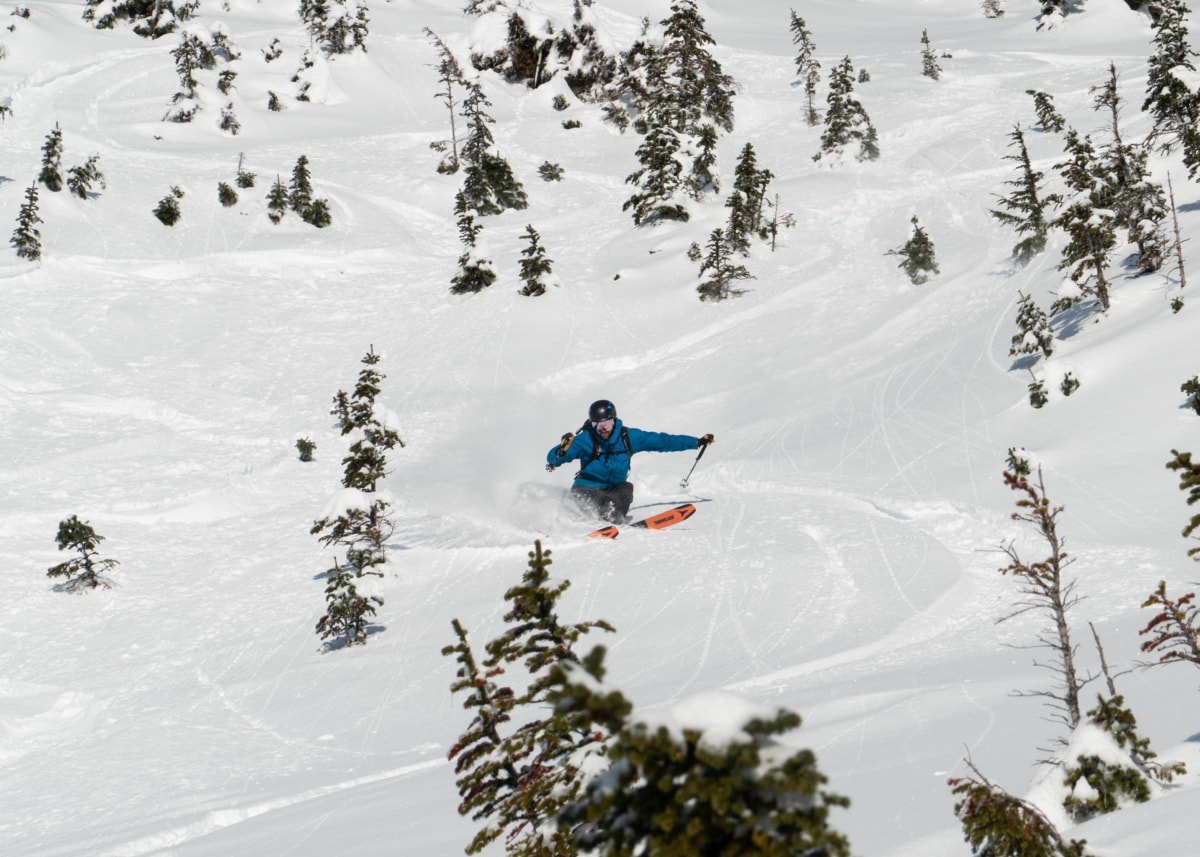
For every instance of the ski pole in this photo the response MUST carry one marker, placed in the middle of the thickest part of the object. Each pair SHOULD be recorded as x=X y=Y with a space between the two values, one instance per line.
x=684 y=483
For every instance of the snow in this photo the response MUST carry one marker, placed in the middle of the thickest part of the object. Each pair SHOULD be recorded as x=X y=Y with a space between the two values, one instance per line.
x=843 y=561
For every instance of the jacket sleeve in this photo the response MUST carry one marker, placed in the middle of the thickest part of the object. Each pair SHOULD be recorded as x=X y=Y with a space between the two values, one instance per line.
x=653 y=441
x=580 y=448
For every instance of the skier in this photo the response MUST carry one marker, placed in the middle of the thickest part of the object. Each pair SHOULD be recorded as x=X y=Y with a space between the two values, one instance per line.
x=603 y=446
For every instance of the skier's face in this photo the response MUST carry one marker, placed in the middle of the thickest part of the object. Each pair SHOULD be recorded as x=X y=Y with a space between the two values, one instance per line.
x=604 y=428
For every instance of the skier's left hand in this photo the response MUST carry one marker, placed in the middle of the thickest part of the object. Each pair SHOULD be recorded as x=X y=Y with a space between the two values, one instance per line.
x=704 y=441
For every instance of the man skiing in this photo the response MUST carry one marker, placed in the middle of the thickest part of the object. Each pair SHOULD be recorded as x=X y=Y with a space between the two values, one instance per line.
x=603 y=446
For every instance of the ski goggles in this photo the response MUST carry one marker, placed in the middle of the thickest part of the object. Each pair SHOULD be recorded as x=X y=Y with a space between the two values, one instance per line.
x=603 y=425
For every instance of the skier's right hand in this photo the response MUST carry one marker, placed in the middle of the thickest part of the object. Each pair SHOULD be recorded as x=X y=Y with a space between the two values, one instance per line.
x=566 y=442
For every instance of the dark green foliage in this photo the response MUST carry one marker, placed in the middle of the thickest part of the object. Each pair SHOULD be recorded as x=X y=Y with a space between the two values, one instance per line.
x=1033 y=329
x=489 y=186
x=516 y=778
x=687 y=84
x=336 y=26
x=245 y=179
x=660 y=176
x=1025 y=208
x=51 y=174
x=81 y=178
x=273 y=102
x=550 y=172
x=1175 y=628
x=1018 y=462
x=85 y=570
x=1038 y=397
x=348 y=612
x=997 y=824
x=523 y=57
x=26 y=238
x=306 y=447
x=229 y=121
x=1069 y=384
x=846 y=122
x=226 y=195
x=1048 y=117
x=560 y=103
x=192 y=54
x=747 y=202
x=272 y=51
x=1189 y=481
x=917 y=256
x=808 y=67
x=1170 y=101
x=1088 y=222
x=929 y=63
x=535 y=267
x=318 y=214
x=571 y=124
x=300 y=189
x=225 y=80
x=475 y=273
x=168 y=211
x=150 y=18
x=1192 y=388
x=277 y=201
x=723 y=274
x=687 y=793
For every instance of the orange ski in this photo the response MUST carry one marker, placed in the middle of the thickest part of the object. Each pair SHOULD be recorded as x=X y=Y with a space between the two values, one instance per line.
x=668 y=518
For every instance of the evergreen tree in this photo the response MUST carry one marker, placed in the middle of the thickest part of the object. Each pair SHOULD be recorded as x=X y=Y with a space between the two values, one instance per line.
x=748 y=200
x=336 y=26
x=1047 y=115
x=1025 y=208
x=589 y=67
x=168 y=211
x=85 y=570
x=226 y=195
x=26 y=238
x=846 y=120
x=695 y=790
x=300 y=189
x=475 y=272
x=929 y=63
x=318 y=214
x=660 y=176
x=917 y=255
x=687 y=85
x=1034 y=333
x=1175 y=628
x=1189 y=481
x=997 y=824
x=450 y=79
x=535 y=267
x=277 y=201
x=808 y=67
x=51 y=174
x=192 y=54
x=1171 y=103
x=1138 y=204
x=489 y=186
x=81 y=178
x=1089 y=225
x=348 y=612
x=150 y=18
x=723 y=274
x=516 y=779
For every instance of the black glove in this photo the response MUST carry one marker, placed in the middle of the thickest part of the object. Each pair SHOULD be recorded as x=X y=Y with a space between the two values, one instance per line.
x=704 y=441
x=549 y=467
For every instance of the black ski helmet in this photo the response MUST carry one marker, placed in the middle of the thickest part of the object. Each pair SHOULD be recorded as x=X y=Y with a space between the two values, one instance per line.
x=602 y=410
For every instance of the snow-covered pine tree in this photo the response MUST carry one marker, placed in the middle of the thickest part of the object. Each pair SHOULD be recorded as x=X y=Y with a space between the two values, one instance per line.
x=723 y=274
x=1170 y=101
x=193 y=53
x=1089 y=225
x=808 y=67
x=450 y=79
x=475 y=272
x=80 y=178
x=846 y=120
x=85 y=570
x=1189 y=481
x=347 y=611
x=226 y=195
x=711 y=785
x=150 y=18
x=747 y=202
x=1138 y=204
x=535 y=267
x=589 y=68
x=523 y=57
x=929 y=63
x=489 y=186
x=26 y=238
x=168 y=211
x=917 y=256
x=336 y=26
x=516 y=779
x=277 y=201
x=51 y=174
x=658 y=180
x=1049 y=119
x=687 y=84
x=1025 y=208
x=1034 y=333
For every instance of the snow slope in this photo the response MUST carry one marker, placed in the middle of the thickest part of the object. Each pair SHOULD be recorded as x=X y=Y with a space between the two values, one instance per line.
x=842 y=562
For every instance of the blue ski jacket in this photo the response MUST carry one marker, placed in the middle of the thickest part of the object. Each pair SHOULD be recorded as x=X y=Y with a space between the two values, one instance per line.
x=611 y=467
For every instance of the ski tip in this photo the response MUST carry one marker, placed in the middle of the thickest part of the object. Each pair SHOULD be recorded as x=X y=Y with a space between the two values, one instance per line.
x=609 y=532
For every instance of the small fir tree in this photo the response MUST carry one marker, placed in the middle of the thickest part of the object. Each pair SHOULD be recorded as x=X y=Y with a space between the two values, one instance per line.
x=695 y=789
x=1174 y=631
x=489 y=186
x=992 y=9
x=1025 y=208
x=80 y=178
x=277 y=201
x=1170 y=101
x=226 y=195
x=929 y=63
x=336 y=26
x=318 y=214
x=192 y=54
x=1189 y=481
x=1090 y=226
x=151 y=19
x=450 y=80
x=26 y=238
x=1049 y=119
x=748 y=200
x=348 y=612
x=51 y=174
x=245 y=178
x=300 y=189
x=1034 y=333
x=168 y=211
x=658 y=180
x=808 y=67
x=1038 y=397
x=917 y=257
x=85 y=570
x=723 y=274
x=846 y=121
x=535 y=267
x=475 y=272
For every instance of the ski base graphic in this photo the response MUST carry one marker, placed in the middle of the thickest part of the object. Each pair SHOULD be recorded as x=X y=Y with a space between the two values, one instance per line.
x=658 y=521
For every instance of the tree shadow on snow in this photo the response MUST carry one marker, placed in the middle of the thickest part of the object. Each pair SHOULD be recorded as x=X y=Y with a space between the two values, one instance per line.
x=340 y=643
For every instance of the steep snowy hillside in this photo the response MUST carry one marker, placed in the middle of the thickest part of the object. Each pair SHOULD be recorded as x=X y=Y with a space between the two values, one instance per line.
x=843 y=559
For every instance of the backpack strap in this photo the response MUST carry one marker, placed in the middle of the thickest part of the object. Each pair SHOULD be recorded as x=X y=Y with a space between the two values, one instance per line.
x=587 y=426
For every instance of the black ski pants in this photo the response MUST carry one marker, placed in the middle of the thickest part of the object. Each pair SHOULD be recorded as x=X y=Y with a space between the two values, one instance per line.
x=611 y=504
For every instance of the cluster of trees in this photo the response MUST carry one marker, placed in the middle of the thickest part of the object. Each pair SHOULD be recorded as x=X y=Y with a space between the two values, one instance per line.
x=78 y=180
